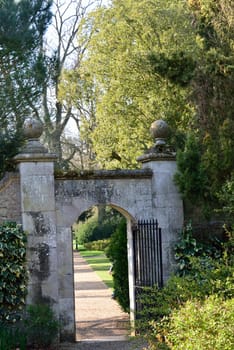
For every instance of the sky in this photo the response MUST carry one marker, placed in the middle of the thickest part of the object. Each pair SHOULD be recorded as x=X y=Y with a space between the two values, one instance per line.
x=68 y=7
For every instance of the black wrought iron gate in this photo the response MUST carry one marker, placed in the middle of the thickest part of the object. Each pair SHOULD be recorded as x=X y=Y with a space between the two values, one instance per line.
x=147 y=245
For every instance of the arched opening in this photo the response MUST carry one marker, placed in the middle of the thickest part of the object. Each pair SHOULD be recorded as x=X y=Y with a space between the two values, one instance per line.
x=102 y=239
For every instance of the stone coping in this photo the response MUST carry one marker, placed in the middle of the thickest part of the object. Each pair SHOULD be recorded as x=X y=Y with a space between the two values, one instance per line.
x=152 y=156
x=106 y=174
x=34 y=157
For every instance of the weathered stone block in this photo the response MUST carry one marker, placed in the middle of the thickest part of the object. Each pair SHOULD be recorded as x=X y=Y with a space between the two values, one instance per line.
x=67 y=319
x=28 y=169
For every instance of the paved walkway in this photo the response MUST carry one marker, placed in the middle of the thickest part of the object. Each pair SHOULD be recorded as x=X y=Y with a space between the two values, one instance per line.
x=100 y=323
x=98 y=316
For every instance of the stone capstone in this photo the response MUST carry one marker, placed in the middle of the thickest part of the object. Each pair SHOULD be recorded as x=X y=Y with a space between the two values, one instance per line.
x=32 y=128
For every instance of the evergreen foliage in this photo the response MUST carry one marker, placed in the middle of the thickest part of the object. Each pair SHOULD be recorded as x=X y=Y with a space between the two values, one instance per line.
x=191 y=177
x=9 y=146
x=117 y=253
x=22 y=70
x=13 y=272
x=94 y=228
x=41 y=326
x=198 y=301
x=202 y=325
x=171 y=60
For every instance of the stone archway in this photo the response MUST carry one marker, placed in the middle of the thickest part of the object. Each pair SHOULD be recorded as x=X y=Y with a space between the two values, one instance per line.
x=74 y=196
x=50 y=204
x=102 y=312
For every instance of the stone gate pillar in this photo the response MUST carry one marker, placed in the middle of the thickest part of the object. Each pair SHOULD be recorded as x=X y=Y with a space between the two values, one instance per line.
x=167 y=205
x=36 y=167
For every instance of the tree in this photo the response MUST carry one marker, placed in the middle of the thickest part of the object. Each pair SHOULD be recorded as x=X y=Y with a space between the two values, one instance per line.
x=64 y=53
x=23 y=25
x=212 y=90
x=130 y=39
x=92 y=226
x=31 y=67
x=215 y=78
x=170 y=60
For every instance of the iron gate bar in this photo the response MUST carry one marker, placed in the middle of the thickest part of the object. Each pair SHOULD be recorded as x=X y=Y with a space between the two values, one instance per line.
x=147 y=244
x=148 y=253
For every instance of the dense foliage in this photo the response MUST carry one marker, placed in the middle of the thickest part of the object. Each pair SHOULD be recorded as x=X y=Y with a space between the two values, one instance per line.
x=97 y=226
x=148 y=60
x=117 y=253
x=40 y=325
x=202 y=325
x=38 y=328
x=22 y=71
x=199 y=301
x=13 y=272
x=130 y=40
x=137 y=61
x=10 y=141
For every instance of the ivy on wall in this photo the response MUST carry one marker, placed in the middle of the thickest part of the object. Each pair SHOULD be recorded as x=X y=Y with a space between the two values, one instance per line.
x=13 y=272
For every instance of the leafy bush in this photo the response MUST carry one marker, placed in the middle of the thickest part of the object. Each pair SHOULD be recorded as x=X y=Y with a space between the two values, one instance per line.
x=201 y=325
x=185 y=248
x=37 y=328
x=11 y=338
x=189 y=247
x=117 y=253
x=209 y=277
x=97 y=245
x=93 y=229
x=207 y=285
x=13 y=273
x=41 y=325
x=85 y=231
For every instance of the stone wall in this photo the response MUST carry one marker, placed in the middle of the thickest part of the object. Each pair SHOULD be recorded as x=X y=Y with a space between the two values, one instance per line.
x=48 y=207
x=10 y=209
x=128 y=191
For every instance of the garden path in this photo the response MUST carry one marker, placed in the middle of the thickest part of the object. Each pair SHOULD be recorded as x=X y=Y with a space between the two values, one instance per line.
x=98 y=316
x=100 y=322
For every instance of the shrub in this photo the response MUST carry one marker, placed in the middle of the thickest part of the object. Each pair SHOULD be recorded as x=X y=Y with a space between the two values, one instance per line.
x=209 y=277
x=202 y=325
x=95 y=228
x=208 y=283
x=97 y=245
x=41 y=325
x=185 y=249
x=13 y=273
x=85 y=231
x=12 y=338
x=117 y=253
x=189 y=247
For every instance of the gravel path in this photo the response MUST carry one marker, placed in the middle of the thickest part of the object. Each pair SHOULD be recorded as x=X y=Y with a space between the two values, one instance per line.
x=98 y=316
x=100 y=322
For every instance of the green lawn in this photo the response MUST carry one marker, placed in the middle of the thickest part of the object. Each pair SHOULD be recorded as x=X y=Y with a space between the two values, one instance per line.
x=99 y=263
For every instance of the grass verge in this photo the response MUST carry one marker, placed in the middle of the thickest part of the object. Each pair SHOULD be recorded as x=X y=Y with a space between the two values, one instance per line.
x=99 y=263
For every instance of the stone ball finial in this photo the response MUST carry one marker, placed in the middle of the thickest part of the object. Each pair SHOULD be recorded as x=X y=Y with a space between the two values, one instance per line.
x=160 y=131
x=32 y=128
